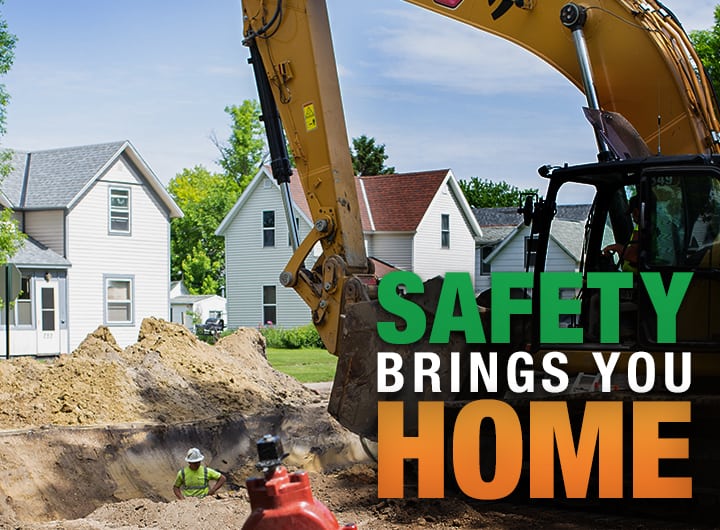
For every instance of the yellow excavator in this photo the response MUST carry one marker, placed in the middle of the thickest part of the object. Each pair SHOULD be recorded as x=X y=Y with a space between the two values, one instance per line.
x=656 y=125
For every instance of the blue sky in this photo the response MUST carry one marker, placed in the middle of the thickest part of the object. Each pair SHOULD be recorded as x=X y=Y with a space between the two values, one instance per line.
x=159 y=73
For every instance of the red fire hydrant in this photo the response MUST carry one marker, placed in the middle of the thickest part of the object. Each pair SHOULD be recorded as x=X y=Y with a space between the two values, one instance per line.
x=282 y=500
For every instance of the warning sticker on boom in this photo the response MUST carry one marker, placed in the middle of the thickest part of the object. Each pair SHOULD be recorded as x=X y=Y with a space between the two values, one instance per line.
x=310 y=120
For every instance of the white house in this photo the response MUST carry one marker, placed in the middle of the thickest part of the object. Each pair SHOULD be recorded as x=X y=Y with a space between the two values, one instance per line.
x=496 y=224
x=189 y=309
x=414 y=221
x=516 y=250
x=419 y=222
x=98 y=252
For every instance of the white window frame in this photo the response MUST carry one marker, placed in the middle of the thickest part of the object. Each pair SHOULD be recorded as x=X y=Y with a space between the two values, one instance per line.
x=114 y=210
x=268 y=229
x=444 y=231
x=129 y=303
x=24 y=298
x=266 y=305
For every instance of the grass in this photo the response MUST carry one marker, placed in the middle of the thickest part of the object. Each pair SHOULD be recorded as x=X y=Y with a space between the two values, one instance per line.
x=307 y=365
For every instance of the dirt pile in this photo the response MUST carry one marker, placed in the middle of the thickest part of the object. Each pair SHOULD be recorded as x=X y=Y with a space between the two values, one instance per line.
x=167 y=376
x=93 y=440
x=105 y=424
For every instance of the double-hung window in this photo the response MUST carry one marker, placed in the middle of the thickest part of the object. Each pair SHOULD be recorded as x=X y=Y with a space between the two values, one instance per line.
x=269 y=305
x=118 y=300
x=21 y=308
x=119 y=208
x=268 y=220
x=445 y=230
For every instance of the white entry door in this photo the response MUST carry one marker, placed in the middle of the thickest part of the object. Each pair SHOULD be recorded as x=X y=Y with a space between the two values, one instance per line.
x=47 y=317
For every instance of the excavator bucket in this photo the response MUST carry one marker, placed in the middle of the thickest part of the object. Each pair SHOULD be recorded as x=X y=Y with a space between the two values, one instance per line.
x=354 y=396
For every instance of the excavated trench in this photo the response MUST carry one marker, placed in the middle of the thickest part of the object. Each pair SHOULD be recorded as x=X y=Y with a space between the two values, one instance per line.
x=106 y=425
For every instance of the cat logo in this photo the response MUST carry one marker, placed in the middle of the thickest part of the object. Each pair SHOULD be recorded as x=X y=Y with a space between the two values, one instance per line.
x=499 y=11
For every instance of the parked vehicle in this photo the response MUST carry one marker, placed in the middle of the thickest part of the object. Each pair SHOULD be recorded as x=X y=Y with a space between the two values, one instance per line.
x=212 y=326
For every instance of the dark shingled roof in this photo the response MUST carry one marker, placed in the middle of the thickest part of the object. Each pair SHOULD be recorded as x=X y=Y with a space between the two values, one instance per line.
x=34 y=254
x=573 y=212
x=509 y=216
x=505 y=216
x=65 y=171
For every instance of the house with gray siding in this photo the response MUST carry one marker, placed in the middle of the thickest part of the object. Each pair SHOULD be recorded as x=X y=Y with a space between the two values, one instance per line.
x=98 y=248
x=508 y=246
x=419 y=222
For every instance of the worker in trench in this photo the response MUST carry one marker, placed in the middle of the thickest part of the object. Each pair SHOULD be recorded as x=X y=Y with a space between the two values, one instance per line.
x=194 y=479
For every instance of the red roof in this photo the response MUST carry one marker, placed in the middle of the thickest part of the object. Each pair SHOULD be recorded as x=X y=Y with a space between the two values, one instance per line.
x=397 y=202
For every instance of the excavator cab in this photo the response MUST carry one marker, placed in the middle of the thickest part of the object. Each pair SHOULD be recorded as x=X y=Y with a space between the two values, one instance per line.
x=677 y=230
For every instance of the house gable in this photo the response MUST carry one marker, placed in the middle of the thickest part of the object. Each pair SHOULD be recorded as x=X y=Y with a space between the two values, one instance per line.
x=564 y=252
x=389 y=214
x=264 y=178
x=93 y=274
x=58 y=178
x=252 y=269
x=439 y=248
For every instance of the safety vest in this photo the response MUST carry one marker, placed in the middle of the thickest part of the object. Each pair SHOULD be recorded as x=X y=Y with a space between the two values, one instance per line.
x=196 y=490
x=627 y=265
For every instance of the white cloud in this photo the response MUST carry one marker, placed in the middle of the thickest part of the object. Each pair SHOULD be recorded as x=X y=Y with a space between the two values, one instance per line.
x=421 y=47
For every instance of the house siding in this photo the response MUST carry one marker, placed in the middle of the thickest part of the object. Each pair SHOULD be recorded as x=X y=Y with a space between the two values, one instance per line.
x=396 y=249
x=250 y=266
x=429 y=256
x=96 y=254
x=512 y=256
x=47 y=228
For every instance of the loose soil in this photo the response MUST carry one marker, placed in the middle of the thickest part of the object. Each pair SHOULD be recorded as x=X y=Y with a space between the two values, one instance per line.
x=93 y=440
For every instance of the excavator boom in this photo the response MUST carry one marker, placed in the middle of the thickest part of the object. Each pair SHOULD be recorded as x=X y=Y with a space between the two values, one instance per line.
x=632 y=59
x=644 y=64
x=291 y=40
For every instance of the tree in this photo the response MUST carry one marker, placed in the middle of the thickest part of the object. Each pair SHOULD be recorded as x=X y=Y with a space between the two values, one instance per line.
x=242 y=154
x=197 y=254
x=488 y=194
x=368 y=158
x=10 y=235
x=707 y=45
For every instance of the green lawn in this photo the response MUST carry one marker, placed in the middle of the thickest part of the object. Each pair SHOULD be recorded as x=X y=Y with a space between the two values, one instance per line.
x=306 y=365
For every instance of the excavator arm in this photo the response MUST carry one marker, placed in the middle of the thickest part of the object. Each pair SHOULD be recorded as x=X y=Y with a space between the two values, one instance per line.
x=644 y=65
x=632 y=60
x=294 y=62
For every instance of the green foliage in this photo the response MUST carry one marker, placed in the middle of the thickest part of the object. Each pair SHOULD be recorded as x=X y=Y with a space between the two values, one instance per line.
x=488 y=194
x=707 y=45
x=368 y=158
x=242 y=155
x=196 y=252
x=10 y=235
x=196 y=268
x=7 y=55
x=292 y=338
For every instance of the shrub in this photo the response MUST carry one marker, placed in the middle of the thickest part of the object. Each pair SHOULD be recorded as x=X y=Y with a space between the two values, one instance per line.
x=292 y=338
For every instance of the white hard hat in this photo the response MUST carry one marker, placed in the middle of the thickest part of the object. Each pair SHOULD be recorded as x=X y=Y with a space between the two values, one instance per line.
x=194 y=455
